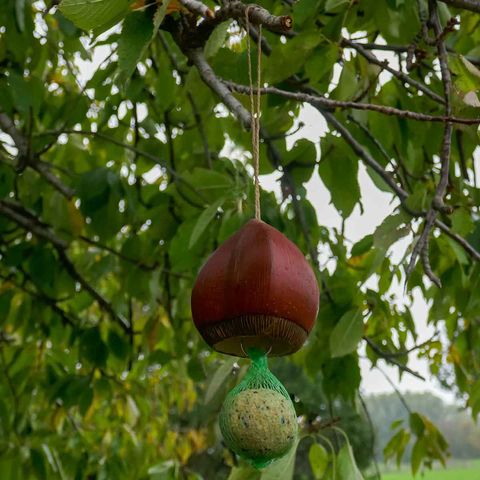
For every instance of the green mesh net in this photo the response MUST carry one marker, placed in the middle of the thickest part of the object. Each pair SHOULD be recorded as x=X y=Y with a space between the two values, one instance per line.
x=258 y=420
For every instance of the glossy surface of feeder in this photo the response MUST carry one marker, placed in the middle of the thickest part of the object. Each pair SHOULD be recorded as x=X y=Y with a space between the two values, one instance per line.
x=255 y=290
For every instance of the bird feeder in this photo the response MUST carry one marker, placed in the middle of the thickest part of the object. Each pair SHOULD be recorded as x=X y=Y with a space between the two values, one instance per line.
x=256 y=296
x=255 y=291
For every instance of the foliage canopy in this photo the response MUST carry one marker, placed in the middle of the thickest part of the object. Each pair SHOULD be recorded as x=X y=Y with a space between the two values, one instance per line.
x=114 y=190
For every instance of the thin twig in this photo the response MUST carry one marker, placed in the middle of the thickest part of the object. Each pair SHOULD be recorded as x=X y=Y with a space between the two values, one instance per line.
x=27 y=158
x=396 y=73
x=319 y=100
x=472 y=5
x=396 y=390
x=32 y=225
x=372 y=430
x=390 y=359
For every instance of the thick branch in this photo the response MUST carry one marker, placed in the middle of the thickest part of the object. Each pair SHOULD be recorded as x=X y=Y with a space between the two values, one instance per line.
x=207 y=74
x=198 y=7
x=257 y=15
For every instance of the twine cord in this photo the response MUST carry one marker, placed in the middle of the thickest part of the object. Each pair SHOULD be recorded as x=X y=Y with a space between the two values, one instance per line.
x=255 y=109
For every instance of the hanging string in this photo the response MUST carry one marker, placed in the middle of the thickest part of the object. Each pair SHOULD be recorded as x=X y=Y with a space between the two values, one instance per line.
x=255 y=109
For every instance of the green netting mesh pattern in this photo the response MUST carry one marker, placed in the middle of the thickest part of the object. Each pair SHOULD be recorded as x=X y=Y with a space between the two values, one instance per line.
x=258 y=420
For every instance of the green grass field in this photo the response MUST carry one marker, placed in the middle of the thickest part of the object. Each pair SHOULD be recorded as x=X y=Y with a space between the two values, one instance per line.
x=469 y=470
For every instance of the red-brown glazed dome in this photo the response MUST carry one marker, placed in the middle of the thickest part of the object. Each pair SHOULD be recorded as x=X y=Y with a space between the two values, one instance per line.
x=255 y=290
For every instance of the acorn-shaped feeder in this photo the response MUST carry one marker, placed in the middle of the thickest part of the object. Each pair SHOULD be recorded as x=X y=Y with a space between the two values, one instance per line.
x=256 y=296
x=256 y=290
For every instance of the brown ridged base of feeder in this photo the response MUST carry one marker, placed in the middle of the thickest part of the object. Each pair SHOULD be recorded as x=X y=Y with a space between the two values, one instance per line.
x=275 y=335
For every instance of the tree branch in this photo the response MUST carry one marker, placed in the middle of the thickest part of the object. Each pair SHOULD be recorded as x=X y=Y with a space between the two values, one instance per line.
x=421 y=248
x=311 y=96
x=392 y=360
x=44 y=170
x=129 y=147
x=27 y=158
x=396 y=73
x=373 y=441
x=41 y=296
x=102 y=302
x=472 y=5
x=257 y=15
x=209 y=77
x=197 y=7
x=396 y=390
x=32 y=225
x=319 y=100
x=8 y=126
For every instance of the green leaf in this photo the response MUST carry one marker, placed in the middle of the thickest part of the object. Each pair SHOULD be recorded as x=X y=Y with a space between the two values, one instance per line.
x=397 y=444
x=216 y=40
x=341 y=376
x=5 y=301
x=318 y=457
x=163 y=471
x=282 y=468
x=346 y=466
x=95 y=15
x=347 y=333
x=136 y=34
x=203 y=221
x=462 y=222
x=118 y=345
x=302 y=152
x=92 y=347
x=338 y=171
x=362 y=246
x=42 y=269
x=38 y=463
x=244 y=472
x=391 y=230
x=218 y=379
x=418 y=453
x=416 y=424
x=335 y=5
x=27 y=92
x=159 y=16
x=196 y=370
x=20 y=14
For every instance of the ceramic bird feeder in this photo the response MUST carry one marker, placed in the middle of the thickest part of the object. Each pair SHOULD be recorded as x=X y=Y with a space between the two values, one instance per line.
x=256 y=290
